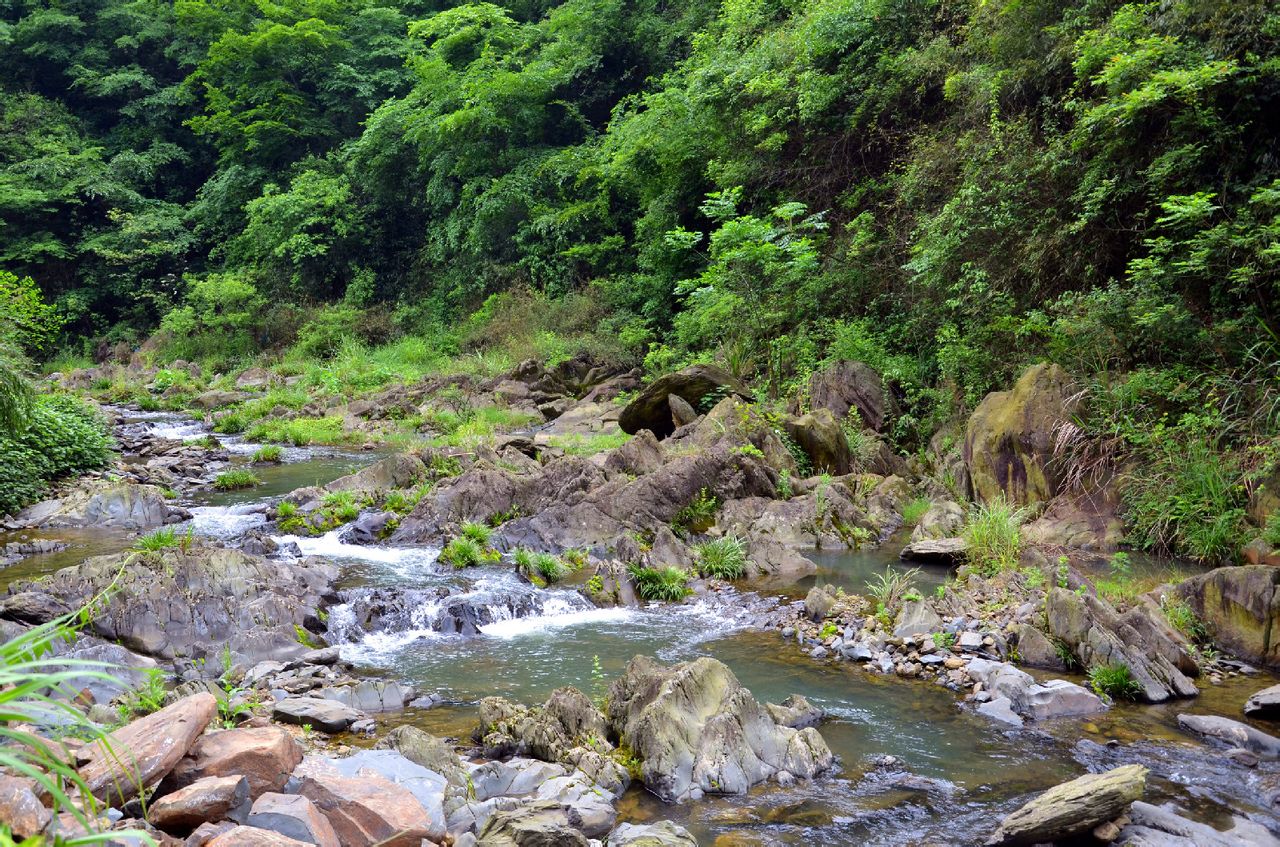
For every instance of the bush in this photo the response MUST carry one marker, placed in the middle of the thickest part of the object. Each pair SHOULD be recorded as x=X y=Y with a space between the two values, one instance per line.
x=235 y=480
x=1114 y=682
x=59 y=435
x=268 y=454
x=722 y=558
x=992 y=536
x=669 y=583
x=462 y=552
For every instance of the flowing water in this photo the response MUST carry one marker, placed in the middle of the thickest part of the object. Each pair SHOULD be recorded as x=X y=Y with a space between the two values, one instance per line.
x=484 y=631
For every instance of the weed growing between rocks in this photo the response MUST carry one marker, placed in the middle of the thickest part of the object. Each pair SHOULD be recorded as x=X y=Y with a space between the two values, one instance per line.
x=666 y=584
x=236 y=480
x=462 y=552
x=992 y=536
x=722 y=558
x=268 y=454
x=1114 y=682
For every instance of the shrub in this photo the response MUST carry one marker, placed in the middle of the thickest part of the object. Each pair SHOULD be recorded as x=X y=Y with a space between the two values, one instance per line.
x=1114 y=682
x=477 y=532
x=891 y=587
x=268 y=454
x=722 y=558
x=235 y=480
x=1271 y=531
x=60 y=435
x=669 y=583
x=462 y=552
x=992 y=536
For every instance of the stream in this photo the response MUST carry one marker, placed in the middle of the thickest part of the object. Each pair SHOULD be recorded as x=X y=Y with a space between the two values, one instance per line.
x=952 y=774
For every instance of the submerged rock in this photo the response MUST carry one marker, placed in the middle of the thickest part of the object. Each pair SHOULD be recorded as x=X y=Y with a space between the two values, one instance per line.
x=1234 y=733
x=1073 y=808
x=1152 y=826
x=697 y=730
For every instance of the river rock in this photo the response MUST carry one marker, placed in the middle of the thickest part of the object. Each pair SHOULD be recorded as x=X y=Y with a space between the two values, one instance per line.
x=796 y=712
x=939 y=551
x=210 y=799
x=1073 y=808
x=660 y=834
x=943 y=519
x=642 y=454
x=589 y=809
x=141 y=753
x=1241 y=606
x=196 y=603
x=103 y=503
x=1264 y=703
x=845 y=386
x=1055 y=698
x=210 y=400
x=541 y=824
x=1153 y=826
x=400 y=471
x=20 y=808
x=265 y=756
x=423 y=748
x=697 y=730
x=1140 y=639
x=819 y=434
x=1008 y=445
x=1089 y=521
x=1036 y=650
x=650 y=409
x=325 y=715
x=916 y=618
x=819 y=602
x=366 y=809
x=293 y=816
x=1233 y=733
x=249 y=836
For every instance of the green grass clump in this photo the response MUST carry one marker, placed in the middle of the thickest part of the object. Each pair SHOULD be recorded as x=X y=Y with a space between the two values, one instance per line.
x=477 y=532
x=165 y=538
x=1114 y=682
x=462 y=552
x=1184 y=619
x=669 y=583
x=299 y=432
x=892 y=586
x=402 y=502
x=235 y=480
x=722 y=558
x=268 y=454
x=914 y=511
x=992 y=535
x=342 y=506
x=698 y=516
x=232 y=423
x=576 y=444
x=549 y=567
x=1271 y=531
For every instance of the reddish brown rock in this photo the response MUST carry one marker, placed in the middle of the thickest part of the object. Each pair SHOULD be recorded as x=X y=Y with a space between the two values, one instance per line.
x=206 y=832
x=144 y=752
x=263 y=755
x=207 y=800
x=295 y=816
x=248 y=836
x=366 y=809
x=20 y=808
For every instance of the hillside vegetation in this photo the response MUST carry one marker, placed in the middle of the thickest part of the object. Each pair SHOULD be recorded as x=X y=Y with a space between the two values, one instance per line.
x=946 y=191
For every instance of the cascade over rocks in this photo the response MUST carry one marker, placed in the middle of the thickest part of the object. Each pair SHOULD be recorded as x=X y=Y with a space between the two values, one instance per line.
x=650 y=409
x=1241 y=606
x=191 y=604
x=698 y=731
x=1140 y=639
x=1008 y=445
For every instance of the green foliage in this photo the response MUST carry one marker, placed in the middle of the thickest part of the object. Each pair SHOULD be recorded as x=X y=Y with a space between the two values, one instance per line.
x=576 y=444
x=913 y=511
x=944 y=640
x=234 y=480
x=25 y=319
x=299 y=432
x=1114 y=682
x=267 y=454
x=992 y=537
x=477 y=532
x=1184 y=619
x=698 y=516
x=784 y=484
x=891 y=587
x=147 y=698
x=722 y=558
x=165 y=538
x=462 y=552
x=59 y=435
x=667 y=584
x=1271 y=530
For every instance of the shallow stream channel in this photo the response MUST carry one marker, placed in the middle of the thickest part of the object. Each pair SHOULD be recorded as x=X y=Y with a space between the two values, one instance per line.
x=915 y=766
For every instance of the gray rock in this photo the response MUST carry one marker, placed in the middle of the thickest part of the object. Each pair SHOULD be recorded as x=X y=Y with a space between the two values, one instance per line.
x=1264 y=703
x=651 y=410
x=941 y=551
x=661 y=834
x=1053 y=699
x=325 y=715
x=370 y=696
x=293 y=816
x=944 y=519
x=795 y=712
x=513 y=778
x=916 y=618
x=589 y=809
x=541 y=824
x=819 y=602
x=426 y=785
x=1000 y=709
x=1073 y=808
x=1153 y=826
x=432 y=753
x=1234 y=733
x=102 y=503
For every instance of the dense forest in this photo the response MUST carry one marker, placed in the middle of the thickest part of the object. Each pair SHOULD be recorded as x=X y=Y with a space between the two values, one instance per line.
x=945 y=190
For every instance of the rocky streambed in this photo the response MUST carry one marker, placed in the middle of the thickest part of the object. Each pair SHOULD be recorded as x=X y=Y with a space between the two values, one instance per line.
x=421 y=649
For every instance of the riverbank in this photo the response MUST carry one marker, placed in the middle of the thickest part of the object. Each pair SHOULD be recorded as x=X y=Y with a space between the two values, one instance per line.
x=428 y=640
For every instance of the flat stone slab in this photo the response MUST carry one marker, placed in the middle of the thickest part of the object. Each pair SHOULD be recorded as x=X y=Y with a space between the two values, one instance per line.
x=939 y=551
x=1234 y=733
x=325 y=715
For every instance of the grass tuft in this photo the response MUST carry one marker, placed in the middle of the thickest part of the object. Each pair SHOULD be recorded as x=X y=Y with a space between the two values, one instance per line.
x=235 y=480
x=669 y=583
x=992 y=535
x=722 y=558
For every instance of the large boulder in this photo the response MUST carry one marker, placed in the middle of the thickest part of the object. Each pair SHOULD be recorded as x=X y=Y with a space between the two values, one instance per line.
x=1055 y=698
x=697 y=730
x=1241 y=606
x=650 y=409
x=943 y=519
x=846 y=386
x=1140 y=639
x=193 y=603
x=251 y=836
x=104 y=504
x=366 y=809
x=1008 y=445
x=542 y=824
x=140 y=754
x=265 y=756
x=823 y=440
x=207 y=800
x=401 y=471
x=1083 y=521
x=1073 y=808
